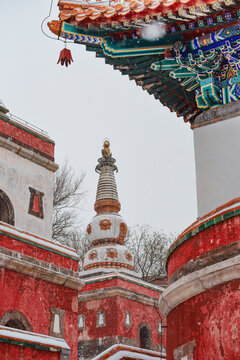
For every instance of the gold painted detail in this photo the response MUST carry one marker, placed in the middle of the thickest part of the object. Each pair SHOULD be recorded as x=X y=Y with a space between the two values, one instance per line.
x=106 y=149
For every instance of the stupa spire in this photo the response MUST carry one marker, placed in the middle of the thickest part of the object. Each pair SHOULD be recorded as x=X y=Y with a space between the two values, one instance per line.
x=107 y=230
x=107 y=195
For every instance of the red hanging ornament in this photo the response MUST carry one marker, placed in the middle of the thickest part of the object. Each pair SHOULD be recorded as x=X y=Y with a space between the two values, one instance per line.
x=65 y=57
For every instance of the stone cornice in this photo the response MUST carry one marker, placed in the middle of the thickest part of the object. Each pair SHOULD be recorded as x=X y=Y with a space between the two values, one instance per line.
x=223 y=112
x=198 y=282
x=117 y=291
x=28 y=154
x=124 y=277
x=27 y=265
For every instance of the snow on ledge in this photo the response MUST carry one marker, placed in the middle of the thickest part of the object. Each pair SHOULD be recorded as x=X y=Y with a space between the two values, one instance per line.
x=49 y=245
x=121 y=276
x=120 y=351
x=33 y=338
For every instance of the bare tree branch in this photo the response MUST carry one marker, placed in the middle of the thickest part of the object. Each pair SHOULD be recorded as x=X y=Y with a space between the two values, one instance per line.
x=67 y=201
x=150 y=251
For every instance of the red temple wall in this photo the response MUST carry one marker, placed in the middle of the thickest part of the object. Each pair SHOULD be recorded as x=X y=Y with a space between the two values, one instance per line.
x=12 y=352
x=115 y=308
x=27 y=137
x=212 y=319
x=141 y=313
x=218 y=235
x=38 y=253
x=123 y=283
x=90 y=309
x=34 y=297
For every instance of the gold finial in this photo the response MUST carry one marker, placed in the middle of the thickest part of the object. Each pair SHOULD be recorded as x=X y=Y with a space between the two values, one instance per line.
x=106 y=149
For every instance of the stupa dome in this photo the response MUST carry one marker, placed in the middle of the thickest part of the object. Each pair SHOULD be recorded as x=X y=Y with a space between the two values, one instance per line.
x=107 y=228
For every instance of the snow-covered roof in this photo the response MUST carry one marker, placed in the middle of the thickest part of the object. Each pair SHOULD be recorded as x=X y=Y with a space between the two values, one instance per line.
x=222 y=212
x=119 y=351
x=27 y=337
x=46 y=244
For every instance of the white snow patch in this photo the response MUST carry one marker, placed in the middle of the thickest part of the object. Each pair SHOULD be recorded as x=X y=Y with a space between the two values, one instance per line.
x=153 y=31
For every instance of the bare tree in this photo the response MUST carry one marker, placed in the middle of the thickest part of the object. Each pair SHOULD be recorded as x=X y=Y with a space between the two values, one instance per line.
x=149 y=248
x=67 y=201
x=79 y=241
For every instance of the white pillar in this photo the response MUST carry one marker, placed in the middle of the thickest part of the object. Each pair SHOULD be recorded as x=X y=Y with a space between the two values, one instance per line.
x=217 y=156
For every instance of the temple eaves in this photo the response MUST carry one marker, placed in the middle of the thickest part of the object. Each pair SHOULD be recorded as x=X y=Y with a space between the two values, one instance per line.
x=191 y=67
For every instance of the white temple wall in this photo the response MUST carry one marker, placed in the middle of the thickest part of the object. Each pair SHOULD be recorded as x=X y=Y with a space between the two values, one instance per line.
x=217 y=157
x=17 y=174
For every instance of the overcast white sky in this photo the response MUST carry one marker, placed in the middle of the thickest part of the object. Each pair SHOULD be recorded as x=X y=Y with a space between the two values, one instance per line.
x=81 y=105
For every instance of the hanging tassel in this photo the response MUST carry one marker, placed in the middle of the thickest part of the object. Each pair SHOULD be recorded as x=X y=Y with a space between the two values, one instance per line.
x=65 y=57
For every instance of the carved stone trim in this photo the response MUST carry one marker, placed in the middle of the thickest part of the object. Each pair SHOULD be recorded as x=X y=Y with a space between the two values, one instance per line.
x=27 y=265
x=185 y=351
x=117 y=291
x=28 y=154
x=108 y=264
x=107 y=205
x=15 y=315
x=211 y=257
x=198 y=282
x=56 y=323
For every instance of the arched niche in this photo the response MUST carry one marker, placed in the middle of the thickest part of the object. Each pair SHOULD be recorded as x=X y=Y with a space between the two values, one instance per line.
x=144 y=336
x=6 y=209
x=15 y=319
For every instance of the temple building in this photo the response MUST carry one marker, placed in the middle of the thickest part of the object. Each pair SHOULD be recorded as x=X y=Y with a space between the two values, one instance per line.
x=115 y=305
x=39 y=278
x=187 y=54
x=48 y=310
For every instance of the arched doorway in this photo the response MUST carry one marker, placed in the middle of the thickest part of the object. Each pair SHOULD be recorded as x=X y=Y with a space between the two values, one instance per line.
x=6 y=209
x=15 y=323
x=145 y=338
x=15 y=319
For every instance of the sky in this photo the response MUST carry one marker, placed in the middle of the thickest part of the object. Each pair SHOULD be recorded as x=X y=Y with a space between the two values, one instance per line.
x=81 y=105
